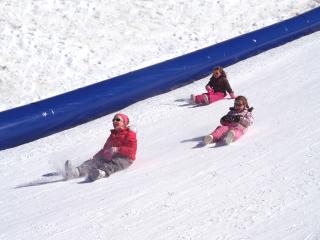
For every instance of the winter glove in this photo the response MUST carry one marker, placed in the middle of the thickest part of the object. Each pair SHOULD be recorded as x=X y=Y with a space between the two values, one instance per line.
x=209 y=89
x=107 y=155
x=236 y=118
x=229 y=118
x=113 y=150
x=232 y=95
x=226 y=118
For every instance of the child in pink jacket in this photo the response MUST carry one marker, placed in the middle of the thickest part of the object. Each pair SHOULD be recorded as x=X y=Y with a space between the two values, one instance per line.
x=217 y=88
x=234 y=124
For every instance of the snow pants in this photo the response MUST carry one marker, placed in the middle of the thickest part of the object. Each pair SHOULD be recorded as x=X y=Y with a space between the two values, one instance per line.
x=221 y=131
x=211 y=96
x=108 y=166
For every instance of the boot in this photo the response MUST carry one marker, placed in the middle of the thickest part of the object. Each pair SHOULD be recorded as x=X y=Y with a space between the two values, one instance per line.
x=205 y=99
x=94 y=174
x=70 y=171
x=207 y=139
x=192 y=99
x=229 y=137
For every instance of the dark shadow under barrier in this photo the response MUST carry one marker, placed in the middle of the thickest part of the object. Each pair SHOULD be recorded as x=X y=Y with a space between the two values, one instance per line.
x=36 y=120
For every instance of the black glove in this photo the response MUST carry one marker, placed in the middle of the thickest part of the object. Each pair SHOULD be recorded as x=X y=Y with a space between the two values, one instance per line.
x=236 y=118
x=229 y=118
x=226 y=118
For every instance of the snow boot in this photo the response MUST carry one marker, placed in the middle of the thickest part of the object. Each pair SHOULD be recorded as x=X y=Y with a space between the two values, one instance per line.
x=94 y=174
x=192 y=99
x=205 y=99
x=70 y=171
x=207 y=139
x=229 y=137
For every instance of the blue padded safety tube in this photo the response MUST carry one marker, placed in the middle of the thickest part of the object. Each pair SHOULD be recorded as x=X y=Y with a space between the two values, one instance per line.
x=39 y=119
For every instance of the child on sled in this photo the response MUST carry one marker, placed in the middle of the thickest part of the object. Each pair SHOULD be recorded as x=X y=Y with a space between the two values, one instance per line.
x=118 y=153
x=234 y=124
x=217 y=88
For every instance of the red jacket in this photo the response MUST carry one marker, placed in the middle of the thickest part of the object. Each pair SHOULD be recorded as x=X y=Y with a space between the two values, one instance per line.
x=126 y=142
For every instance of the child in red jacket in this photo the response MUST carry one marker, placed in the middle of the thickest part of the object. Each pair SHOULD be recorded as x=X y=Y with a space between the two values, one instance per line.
x=217 y=88
x=117 y=154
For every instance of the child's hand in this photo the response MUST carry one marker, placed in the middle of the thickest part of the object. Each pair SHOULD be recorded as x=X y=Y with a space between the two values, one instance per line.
x=209 y=89
x=236 y=118
x=228 y=118
x=107 y=155
x=113 y=150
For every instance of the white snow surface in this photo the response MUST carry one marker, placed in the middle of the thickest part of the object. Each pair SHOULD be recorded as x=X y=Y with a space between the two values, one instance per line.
x=264 y=186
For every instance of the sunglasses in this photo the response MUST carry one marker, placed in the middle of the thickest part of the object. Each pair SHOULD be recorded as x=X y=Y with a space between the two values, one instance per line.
x=238 y=104
x=116 y=120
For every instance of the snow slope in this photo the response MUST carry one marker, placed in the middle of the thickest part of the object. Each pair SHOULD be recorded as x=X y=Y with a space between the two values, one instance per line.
x=265 y=186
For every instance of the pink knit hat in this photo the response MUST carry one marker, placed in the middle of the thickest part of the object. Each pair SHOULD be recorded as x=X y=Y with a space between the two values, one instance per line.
x=124 y=118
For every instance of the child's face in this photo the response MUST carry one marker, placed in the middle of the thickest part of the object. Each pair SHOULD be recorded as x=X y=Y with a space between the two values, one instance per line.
x=239 y=106
x=118 y=123
x=216 y=73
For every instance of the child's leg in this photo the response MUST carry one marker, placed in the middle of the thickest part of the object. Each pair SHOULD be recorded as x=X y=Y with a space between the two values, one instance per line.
x=232 y=135
x=115 y=165
x=89 y=164
x=238 y=133
x=70 y=171
x=213 y=97
x=219 y=132
x=199 y=99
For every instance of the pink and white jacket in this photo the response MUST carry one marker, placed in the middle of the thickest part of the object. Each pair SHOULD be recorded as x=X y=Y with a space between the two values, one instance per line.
x=237 y=119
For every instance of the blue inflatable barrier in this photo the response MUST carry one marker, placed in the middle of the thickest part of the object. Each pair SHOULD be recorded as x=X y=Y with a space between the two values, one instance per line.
x=36 y=120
